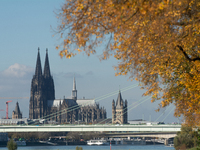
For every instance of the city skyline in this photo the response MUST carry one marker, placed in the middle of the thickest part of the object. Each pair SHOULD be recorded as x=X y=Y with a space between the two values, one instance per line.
x=27 y=25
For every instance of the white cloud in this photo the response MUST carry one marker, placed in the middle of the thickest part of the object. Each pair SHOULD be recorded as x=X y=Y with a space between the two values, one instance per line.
x=17 y=70
x=15 y=80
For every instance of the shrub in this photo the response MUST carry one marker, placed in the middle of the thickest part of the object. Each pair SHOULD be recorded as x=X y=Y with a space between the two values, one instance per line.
x=11 y=145
x=79 y=148
x=186 y=138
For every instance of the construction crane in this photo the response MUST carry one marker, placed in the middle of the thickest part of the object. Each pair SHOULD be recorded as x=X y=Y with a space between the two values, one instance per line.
x=7 y=109
x=11 y=101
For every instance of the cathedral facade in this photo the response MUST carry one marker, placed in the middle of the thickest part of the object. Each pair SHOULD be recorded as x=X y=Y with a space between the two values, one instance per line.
x=43 y=104
x=119 y=111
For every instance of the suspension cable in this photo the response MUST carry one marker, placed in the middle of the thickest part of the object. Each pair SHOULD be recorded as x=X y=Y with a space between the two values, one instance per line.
x=125 y=109
x=168 y=114
x=162 y=113
x=77 y=107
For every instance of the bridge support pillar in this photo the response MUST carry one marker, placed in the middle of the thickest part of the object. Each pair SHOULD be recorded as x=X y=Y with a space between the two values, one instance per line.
x=166 y=142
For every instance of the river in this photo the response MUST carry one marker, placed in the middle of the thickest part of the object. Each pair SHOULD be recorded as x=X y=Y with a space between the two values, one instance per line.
x=86 y=147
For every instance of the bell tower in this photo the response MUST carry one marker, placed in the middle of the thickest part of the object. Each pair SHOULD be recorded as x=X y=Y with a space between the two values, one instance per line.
x=42 y=89
x=119 y=112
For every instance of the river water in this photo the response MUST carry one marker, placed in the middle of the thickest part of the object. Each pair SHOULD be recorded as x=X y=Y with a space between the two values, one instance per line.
x=87 y=147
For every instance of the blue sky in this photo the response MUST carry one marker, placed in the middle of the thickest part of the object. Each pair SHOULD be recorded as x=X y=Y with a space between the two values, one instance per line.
x=28 y=24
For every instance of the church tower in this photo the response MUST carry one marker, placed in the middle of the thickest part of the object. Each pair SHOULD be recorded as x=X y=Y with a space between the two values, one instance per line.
x=113 y=111
x=42 y=89
x=49 y=90
x=37 y=95
x=119 y=112
x=17 y=113
x=74 y=91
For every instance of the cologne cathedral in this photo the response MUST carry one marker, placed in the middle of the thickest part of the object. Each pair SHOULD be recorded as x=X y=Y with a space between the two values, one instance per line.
x=43 y=104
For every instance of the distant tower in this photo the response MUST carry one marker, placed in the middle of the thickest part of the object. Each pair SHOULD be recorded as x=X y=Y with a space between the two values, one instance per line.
x=37 y=86
x=49 y=91
x=74 y=91
x=16 y=114
x=119 y=112
x=126 y=112
x=113 y=111
x=42 y=89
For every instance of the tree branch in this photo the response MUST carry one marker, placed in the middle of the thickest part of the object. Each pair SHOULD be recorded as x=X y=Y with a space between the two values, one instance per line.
x=183 y=23
x=186 y=55
x=132 y=15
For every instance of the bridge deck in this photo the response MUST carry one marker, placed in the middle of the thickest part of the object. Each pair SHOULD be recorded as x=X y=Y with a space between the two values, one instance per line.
x=87 y=128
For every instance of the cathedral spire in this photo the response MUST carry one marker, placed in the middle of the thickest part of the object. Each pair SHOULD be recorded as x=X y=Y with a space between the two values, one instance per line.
x=17 y=113
x=38 y=69
x=74 y=91
x=119 y=100
x=46 y=66
x=17 y=110
x=74 y=84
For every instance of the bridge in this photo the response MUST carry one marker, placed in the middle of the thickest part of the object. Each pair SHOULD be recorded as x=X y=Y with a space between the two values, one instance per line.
x=165 y=135
x=91 y=128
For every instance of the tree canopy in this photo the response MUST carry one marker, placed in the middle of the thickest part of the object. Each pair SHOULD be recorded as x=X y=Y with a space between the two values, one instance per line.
x=186 y=138
x=156 y=41
x=11 y=145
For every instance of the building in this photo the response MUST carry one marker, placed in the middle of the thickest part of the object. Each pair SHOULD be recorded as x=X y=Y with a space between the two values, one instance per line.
x=43 y=104
x=119 y=111
x=16 y=114
x=15 y=121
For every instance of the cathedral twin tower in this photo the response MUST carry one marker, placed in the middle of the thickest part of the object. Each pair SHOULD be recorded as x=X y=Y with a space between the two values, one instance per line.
x=43 y=104
x=42 y=89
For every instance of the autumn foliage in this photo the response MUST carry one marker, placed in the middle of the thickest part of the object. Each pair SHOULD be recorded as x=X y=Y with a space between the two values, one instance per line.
x=156 y=41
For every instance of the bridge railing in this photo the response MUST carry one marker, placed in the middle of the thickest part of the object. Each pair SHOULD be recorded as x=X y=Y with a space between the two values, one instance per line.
x=88 y=128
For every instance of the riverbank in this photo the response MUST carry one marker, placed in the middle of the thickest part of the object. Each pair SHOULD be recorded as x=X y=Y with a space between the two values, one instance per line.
x=63 y=143
x=87 y=147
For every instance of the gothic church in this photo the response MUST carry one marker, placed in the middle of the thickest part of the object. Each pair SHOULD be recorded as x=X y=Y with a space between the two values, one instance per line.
x=43 y=104
x=119 y=111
